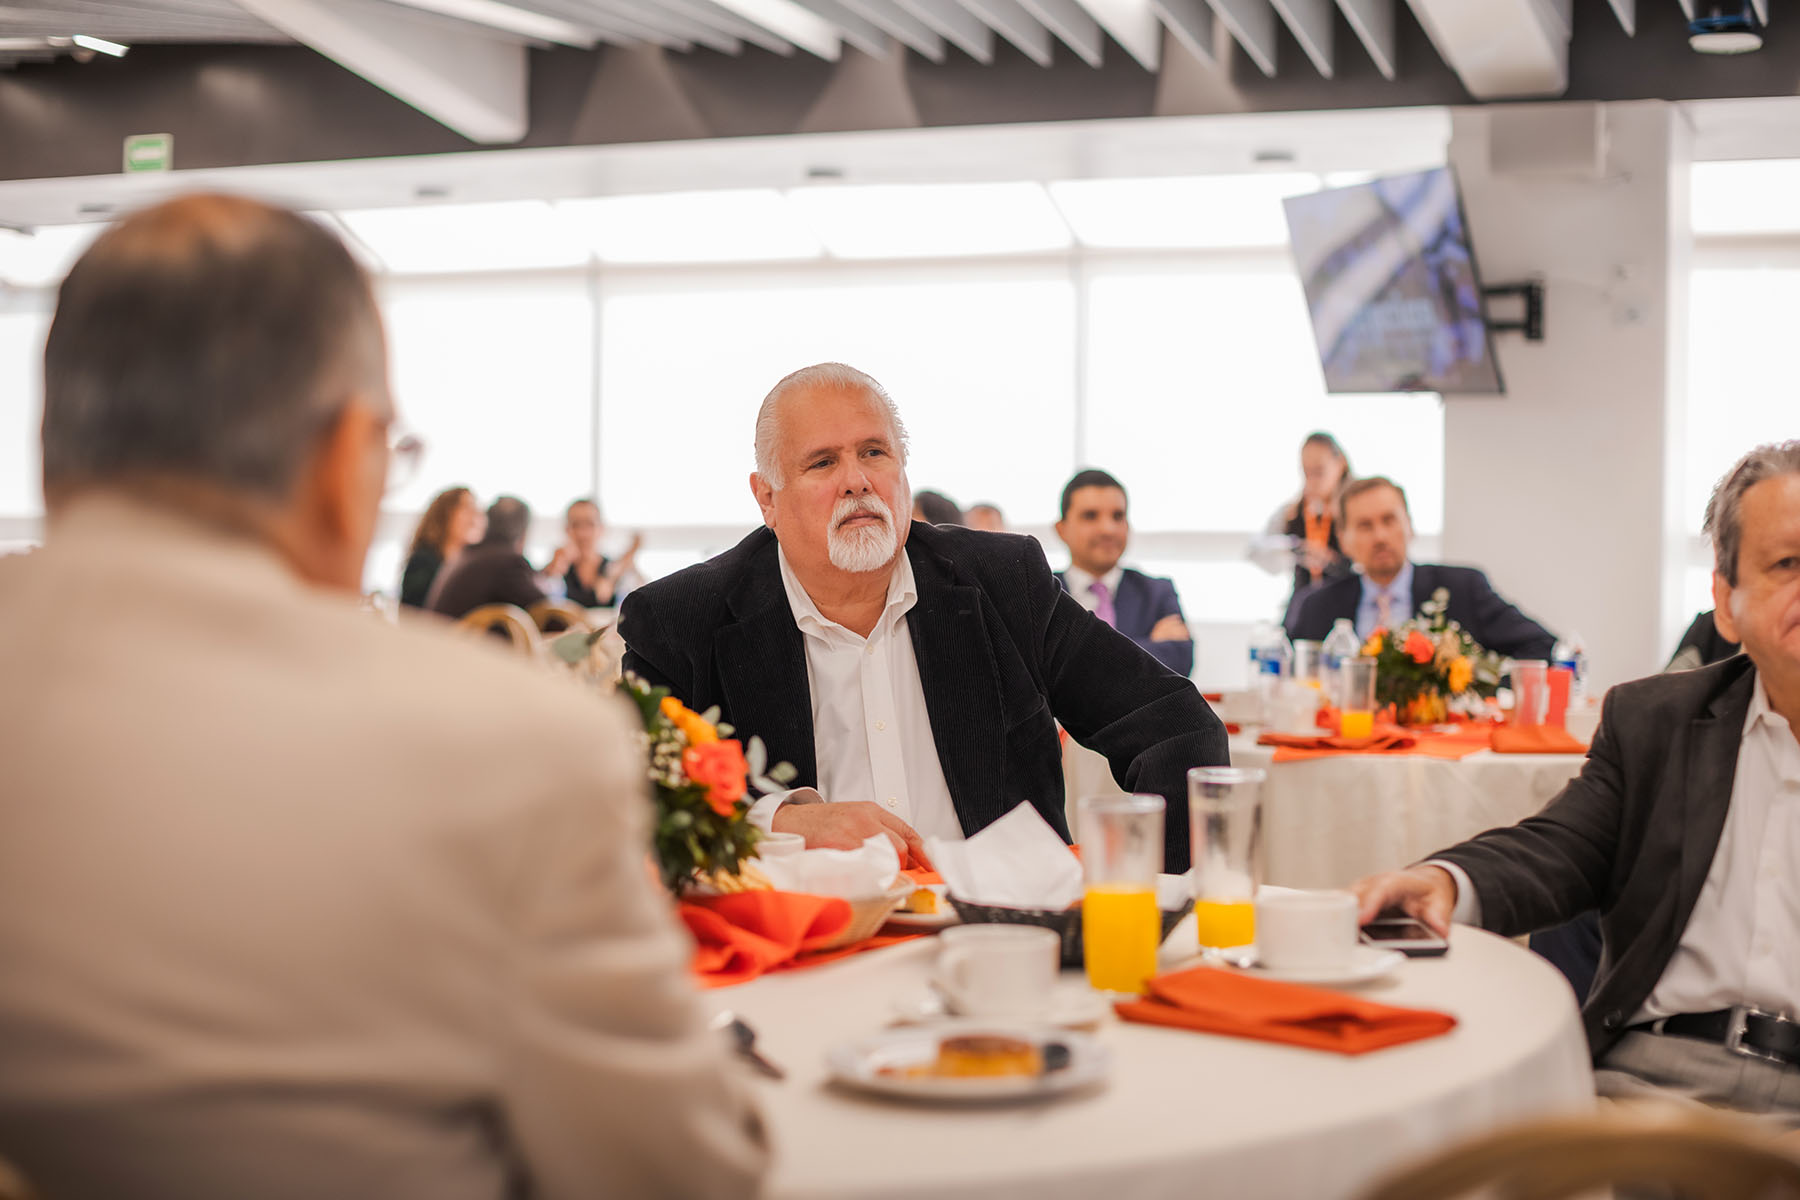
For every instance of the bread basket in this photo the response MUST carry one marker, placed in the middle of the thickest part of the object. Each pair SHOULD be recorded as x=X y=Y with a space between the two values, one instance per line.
x=869 y=913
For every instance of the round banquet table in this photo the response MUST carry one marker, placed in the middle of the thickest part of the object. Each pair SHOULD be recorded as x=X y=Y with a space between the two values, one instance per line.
x=1183 y=1113
x=1327 y=822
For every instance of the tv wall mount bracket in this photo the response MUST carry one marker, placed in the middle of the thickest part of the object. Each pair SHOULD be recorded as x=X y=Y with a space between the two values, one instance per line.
x=1532 y=294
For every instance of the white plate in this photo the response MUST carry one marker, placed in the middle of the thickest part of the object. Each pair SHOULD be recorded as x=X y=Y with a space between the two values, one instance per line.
x=945 y=915
x=1367 y=963
x=860 y=1064
x=1072 y=1006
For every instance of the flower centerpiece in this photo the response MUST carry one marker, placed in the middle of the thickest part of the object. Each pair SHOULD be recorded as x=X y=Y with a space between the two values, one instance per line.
x=703 y=781
x=1429 y=668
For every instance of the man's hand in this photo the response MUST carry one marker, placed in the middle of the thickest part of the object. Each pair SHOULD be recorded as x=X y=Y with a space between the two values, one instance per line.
x=1170 y=629
x=845 y=826
x=1428 y=893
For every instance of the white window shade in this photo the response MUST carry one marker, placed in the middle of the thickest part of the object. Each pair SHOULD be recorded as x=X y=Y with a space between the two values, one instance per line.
x=1745 y=197
x=41 y=258
x=1202 y=384
x=990 y=408
x=1185 y=211
x=497 y=379
x=21 y=411
x=932 y=220
x=724 y=226
x=442 y=239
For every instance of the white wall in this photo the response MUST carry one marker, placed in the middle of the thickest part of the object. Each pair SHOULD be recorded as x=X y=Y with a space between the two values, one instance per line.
x=1564 y=489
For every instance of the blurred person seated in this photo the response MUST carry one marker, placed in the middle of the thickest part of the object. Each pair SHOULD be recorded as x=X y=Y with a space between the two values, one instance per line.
x=295 y=903
x=493 y=570
x=452 y=522
x=1702 y=645
x=1389 y=587
x=935 y=508
x=589 y=578
x=1145 y=608
x=914 y=674
x=986 y=517
x=1683 y=831
x=1302 y=535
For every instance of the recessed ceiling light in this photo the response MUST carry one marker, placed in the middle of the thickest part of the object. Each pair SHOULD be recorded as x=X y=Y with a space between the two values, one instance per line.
x=1730 y=27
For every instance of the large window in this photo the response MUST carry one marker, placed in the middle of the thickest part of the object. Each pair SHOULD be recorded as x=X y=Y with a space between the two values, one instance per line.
x=22 y=333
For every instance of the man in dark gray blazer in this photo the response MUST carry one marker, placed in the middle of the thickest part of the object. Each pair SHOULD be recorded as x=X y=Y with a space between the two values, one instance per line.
x=1682 y=830
x=1096 y=528
x=1389 y=587
x=914 y=674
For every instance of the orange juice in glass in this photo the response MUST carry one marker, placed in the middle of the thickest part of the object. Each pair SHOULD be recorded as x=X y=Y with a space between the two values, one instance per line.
x=1356 y=697
x=1225 y=825
x=1121 y=852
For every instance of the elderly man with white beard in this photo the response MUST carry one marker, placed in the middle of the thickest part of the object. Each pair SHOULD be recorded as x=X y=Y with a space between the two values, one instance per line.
x=913 y=674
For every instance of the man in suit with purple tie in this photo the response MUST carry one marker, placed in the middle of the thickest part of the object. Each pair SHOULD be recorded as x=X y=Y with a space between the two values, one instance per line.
x=1144 y=608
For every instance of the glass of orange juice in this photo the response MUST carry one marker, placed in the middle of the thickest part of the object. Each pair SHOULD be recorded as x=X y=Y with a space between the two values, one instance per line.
x=1225 y=824
x=1121 y=852
x=1356 y=698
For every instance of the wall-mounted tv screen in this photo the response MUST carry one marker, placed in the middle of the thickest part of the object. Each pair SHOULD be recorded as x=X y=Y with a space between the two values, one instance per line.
x=1390 y=280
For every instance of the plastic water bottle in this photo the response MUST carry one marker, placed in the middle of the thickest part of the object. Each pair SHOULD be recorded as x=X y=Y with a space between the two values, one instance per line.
x=1340 y=644
x=1571 y=652
x=1271 y=659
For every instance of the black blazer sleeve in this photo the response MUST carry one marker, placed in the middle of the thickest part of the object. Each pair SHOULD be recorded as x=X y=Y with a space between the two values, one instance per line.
x=1503 y=628
x=420 y=572
x=516 y=583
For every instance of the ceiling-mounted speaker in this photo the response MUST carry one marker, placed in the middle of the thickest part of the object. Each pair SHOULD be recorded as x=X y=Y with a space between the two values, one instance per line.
x=1547 y=139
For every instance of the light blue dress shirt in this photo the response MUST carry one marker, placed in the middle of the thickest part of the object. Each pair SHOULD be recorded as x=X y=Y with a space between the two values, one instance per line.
x=1399 y=594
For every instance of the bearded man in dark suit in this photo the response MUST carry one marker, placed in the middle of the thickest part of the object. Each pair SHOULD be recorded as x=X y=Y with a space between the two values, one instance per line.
x=914 y=674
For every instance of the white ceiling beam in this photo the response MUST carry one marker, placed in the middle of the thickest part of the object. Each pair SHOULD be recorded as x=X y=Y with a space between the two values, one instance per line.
x=472 y=83
x=1687 y=6
x=1252 y=25
x=1133 y=25
x=630 y=25
x=1009 y=19
x=860 y=32
x=901 y=25
x=1373 y=23
x=1310 y=23
x=1192 y=23
x=726 y=22
x=801 y=26
x=508 y=19
x=1501 y=49
x=1072 y=24
x=667 y=25
x=1626 y=11
x=956 y=24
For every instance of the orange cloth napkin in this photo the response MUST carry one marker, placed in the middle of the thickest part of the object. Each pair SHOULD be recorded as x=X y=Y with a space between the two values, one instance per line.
x=921 y=877
x=742 y=936
x=1225 y=1002
x=1385 y=737
x=1536 y=739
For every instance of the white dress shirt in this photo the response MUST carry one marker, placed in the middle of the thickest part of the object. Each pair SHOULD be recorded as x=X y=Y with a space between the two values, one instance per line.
x=1081 y=585
x=1738 y=947
x=871 y=732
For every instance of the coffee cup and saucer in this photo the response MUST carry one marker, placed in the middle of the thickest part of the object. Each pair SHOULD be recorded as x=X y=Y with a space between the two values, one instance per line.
x=1311 y=937
x=1003 y=973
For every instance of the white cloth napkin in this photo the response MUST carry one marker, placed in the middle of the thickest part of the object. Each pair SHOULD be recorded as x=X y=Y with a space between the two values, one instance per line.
x=1018 y=862
x=868 y=870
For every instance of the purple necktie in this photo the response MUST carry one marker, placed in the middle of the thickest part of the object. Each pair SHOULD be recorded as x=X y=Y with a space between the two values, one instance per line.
x=1103 y=603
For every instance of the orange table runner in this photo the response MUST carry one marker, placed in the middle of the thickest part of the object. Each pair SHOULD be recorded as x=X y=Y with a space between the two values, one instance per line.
x=743 y=936
x=1459 y=742
x=1224 y=1002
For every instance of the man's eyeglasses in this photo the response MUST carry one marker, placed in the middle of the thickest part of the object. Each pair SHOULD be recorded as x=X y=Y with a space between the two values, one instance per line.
x=406 y=451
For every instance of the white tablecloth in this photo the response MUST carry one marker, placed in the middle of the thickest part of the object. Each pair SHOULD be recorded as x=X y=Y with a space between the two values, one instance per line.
x=1184 y=1114
x=1327 y=822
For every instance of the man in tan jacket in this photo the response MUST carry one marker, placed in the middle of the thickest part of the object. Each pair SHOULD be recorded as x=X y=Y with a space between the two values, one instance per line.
x=294 y=903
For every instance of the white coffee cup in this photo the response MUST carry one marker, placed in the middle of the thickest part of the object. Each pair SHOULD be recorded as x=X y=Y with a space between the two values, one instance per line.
x=780 y=845
x=1001 y=971
x=1305 y=931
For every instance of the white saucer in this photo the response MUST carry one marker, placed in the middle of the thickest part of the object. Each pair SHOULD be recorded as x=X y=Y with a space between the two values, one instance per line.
x=1072 y=1006
x=1367 y=963
x=875 y=1064
x=945 y=915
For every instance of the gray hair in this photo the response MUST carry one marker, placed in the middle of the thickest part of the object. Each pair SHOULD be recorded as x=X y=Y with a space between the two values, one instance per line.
x=209 y=339
x=1725 y=511
x=831 y=376
x=508 y=521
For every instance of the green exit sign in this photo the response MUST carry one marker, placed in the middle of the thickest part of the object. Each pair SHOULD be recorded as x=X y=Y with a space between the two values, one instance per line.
x=149 y=152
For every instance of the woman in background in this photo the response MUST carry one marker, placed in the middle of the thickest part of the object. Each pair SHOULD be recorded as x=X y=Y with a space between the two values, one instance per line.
x=1302 y=535
x=452 y=521
x=590 y=579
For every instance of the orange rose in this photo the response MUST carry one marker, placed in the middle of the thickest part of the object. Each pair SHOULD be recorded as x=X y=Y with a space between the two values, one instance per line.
x=719 y=767
x=1418 y=647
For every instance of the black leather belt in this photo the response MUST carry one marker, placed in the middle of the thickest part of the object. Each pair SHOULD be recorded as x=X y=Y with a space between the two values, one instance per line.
x=1747 y=1031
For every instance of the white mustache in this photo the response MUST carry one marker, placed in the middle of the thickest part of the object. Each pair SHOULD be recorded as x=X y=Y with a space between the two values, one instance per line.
x=870 y=506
